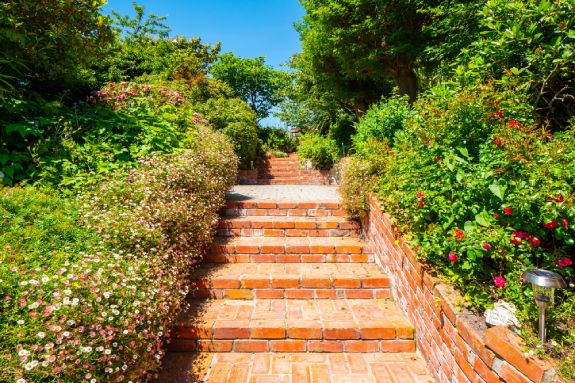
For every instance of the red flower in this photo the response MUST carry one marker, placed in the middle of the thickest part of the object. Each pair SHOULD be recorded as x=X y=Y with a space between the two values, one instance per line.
x=495 y=215
x=459 y=234
x=437 y=159
x=558 y=198
x=426 y=142
x=452 y=257
x=500 y=113
x=564 y=262
x=421 y=203
x=487 y=246
x=420 y=194
x=551 y=225
x=497 y=141
x=507 y=210
x=515 y=124
x=499 y=281
x=535 y=242
x=565 y=222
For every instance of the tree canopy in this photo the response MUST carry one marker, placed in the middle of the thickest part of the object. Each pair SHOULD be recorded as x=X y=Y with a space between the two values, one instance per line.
x=252 y=80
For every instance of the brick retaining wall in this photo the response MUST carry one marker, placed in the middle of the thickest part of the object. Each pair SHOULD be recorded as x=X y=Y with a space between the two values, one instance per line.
x=456 y=344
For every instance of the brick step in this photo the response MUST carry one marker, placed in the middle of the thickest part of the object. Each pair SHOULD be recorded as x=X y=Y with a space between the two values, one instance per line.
x=290 y=281
x=285 y=208
x=257 y=226
x=234 y=367
x=288 y=250
x=293 y=325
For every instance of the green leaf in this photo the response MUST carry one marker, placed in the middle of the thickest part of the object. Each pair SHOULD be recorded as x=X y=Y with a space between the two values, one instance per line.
x=483 y=218
x=498 y=190
x=469 y=226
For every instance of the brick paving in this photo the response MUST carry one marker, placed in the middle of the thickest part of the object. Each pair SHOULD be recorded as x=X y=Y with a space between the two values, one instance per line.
x=295 y=368
x=288 y=292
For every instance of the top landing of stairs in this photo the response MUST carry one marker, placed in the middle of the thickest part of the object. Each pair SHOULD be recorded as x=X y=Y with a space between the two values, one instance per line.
x=279 y=193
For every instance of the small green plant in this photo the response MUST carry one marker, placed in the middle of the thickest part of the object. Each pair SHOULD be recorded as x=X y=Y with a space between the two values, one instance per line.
x=322 y=151
x=275 y=139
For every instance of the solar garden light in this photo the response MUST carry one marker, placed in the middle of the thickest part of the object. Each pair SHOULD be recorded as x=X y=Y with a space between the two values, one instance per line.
x=544 y=283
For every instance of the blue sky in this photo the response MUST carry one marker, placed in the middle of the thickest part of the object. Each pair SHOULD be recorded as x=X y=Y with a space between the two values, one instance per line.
x=248 y=28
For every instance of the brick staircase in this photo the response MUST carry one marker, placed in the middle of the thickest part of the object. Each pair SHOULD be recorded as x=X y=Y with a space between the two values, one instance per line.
x=273 y=170
x=289 y=293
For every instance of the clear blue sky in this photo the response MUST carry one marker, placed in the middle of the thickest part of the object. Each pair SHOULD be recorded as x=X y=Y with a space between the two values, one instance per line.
x=248 y=28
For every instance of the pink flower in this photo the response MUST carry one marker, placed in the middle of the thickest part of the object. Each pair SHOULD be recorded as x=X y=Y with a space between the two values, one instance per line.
x=495 y=215
x=452 y=257
x=499 y=281
x=507 y=210
x=564 y=262
x=487 y=246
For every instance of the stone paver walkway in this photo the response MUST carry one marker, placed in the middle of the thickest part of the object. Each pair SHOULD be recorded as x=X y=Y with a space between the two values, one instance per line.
x=284 y=192
x=290 y=293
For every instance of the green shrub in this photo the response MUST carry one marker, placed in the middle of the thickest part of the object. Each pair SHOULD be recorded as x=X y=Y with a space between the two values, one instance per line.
x=275 y=139
x=482 y=194
x=359 y=175
x=90 y=287
x=322 y=151
x=235 y=118
x=245 y=140
x=382 y=121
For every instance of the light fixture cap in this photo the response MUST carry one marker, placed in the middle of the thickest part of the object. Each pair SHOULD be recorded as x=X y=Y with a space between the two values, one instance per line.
x=544 y=278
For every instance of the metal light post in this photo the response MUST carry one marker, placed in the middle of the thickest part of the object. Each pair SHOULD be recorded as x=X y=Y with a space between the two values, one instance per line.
x=544 y=283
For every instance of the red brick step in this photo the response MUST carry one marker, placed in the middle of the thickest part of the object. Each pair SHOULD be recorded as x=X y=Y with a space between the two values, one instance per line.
x=284 y=325
x=279 y=226
x=284 y=208
x=290 y=281
x=288 y=250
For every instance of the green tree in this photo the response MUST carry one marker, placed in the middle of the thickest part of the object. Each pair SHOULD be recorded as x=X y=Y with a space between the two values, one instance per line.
x=144 y=48
x=51 y=49
x=252 y=80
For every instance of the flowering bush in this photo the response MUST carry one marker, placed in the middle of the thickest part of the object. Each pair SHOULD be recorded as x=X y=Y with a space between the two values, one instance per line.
x=482 y=194
x=95 y=301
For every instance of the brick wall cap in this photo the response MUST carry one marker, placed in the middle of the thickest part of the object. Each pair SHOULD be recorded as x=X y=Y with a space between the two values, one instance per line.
x=509 y=346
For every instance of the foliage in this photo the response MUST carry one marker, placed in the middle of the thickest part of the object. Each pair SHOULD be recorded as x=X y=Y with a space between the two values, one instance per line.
x=245 y=140
x=235 y=118
x=382 y=122
x=275 y=139
x=74 y=146
x=322 y=151
x=143 y=47
x=529 y=45
x=359 y=175
x=51 y=49
x=482 y=193
x=251 y=80
x=97 y=300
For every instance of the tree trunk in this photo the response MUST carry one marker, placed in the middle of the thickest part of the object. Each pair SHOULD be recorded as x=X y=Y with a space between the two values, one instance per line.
x=405 y=78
